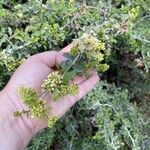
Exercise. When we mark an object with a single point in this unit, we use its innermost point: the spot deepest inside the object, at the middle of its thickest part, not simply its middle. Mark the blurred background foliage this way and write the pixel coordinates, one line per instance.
(115, 115)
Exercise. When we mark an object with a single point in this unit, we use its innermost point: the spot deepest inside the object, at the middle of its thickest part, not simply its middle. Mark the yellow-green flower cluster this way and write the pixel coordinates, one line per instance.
(39, 110)
(92, 50)
(65, 90)
(87, 44)
(51, 121)
(73, 89)
(55, 96)
(74, 51)
(12, 65)
(52, 82)
(103, 67)
(37, 106)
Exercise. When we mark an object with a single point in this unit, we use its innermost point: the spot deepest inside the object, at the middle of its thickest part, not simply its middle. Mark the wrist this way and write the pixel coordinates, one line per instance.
(15, 132)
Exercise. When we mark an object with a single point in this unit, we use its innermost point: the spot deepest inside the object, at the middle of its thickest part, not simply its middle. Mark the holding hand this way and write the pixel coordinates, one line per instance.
(15, 133)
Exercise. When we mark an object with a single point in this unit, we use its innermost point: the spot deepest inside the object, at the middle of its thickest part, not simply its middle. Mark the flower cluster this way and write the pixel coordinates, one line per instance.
(9, 61)
(12, 65)
(65, 90)
(73, 89)
(54, 84)
(51, 121)
(92, 50)
(53, 80)
(37, 106)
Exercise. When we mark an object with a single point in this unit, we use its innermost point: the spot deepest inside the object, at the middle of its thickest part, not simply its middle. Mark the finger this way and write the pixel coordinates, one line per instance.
(67, 102)
(66, 49)
(86, 86)
(60, 56)
(50, 58)
(79, 79)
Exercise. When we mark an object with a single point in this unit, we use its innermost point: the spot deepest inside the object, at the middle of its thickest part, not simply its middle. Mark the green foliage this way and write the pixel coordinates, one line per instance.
(43, 140)
(12, 65)
(119, 123)
(111, 121)
(106, 119)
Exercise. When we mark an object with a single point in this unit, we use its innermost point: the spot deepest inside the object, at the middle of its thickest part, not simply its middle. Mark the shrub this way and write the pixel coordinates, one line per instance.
(111, 121)
(109, 117)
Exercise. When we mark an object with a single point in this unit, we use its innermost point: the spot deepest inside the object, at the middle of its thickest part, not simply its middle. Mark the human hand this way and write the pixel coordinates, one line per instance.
(15, 133)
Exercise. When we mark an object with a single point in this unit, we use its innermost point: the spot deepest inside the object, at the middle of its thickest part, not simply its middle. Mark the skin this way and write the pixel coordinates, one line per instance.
(16, 133)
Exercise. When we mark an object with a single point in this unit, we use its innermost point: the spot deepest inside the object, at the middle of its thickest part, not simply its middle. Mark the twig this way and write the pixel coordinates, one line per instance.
(74, 18)
(9, 41)
(44, 94)
(42, 4)
(139, 21)
(81, 10)
(20, 47)
(147, 69)
(130, 136)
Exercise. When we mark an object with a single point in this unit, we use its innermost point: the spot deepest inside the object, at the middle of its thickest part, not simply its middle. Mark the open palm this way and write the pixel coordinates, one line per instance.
(31, 74)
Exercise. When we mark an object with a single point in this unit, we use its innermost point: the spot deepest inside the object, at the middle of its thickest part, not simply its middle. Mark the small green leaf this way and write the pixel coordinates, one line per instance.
(68, 56)
(65, 64)
(68, 76)
(78, 68)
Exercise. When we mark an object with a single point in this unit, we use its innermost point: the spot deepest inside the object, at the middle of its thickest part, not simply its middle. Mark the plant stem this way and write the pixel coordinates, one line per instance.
(44, 94)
